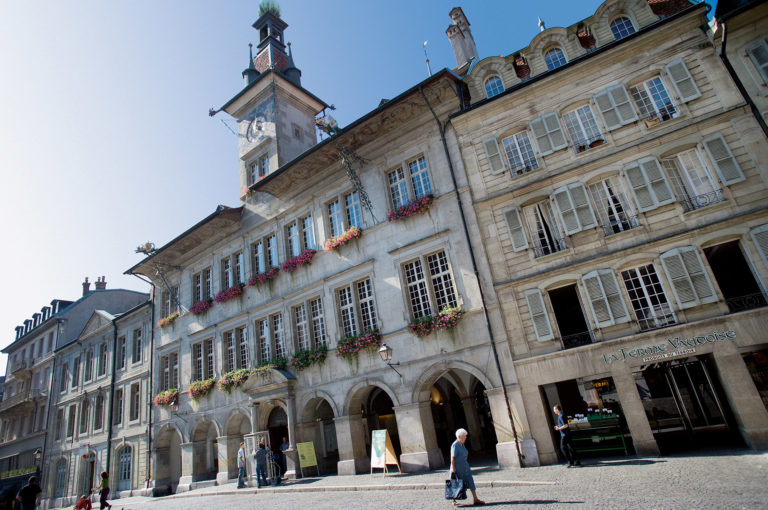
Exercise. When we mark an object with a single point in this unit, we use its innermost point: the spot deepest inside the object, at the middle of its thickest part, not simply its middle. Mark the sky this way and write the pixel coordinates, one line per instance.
(105, 139)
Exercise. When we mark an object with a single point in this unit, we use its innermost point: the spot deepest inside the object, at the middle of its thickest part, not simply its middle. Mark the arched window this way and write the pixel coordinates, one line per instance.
(622, 27)
(554, 58)
(124, 470)
(493, 86)
(61, 478)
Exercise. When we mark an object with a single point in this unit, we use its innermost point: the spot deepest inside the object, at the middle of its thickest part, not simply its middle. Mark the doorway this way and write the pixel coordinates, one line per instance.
(570, 317)
(734, 277)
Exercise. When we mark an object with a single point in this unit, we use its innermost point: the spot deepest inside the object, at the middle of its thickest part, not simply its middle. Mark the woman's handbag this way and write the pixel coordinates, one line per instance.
(454, 488)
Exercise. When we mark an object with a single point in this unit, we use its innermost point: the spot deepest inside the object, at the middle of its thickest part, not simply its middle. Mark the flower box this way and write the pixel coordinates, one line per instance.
(294, 263)
(231, 293)
(234, 379)
(446, 319)
(349, 346)
(342, 239)
(279, 363)
(264, 277)
(199, 389)
(201, 306)
(305, 358)
(166, 398)
(412, 208)
(169, 320)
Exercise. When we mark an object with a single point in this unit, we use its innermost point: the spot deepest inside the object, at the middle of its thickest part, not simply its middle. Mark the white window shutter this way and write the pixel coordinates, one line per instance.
(682, 80)
(690, 282)
(657, 181)
(727, 168)
(541, 325)
(516, 232)
(644, 198)
(494, 155)
(607, 110)
(556, 135)
(613, 295)
(615, 107)
(598, 301)
(623, 102)
(759, 236)
(583, 208)
(541, 136)
(758, 53)
(567, 211)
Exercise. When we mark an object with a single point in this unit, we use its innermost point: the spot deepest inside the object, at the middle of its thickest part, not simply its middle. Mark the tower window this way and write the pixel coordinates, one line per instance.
(493, 86)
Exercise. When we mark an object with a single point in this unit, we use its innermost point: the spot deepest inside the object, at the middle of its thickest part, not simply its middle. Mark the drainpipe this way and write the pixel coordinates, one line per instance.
(735, 77)
(111, 410)
(51, 385)
(151, 376)
(520, 456)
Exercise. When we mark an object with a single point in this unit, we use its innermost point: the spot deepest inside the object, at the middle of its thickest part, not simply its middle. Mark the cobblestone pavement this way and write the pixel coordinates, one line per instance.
(725, 480)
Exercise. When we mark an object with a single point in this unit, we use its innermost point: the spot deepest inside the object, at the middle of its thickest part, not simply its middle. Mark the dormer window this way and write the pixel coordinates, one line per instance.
(554, 58)
(622, 27)
(493, 86)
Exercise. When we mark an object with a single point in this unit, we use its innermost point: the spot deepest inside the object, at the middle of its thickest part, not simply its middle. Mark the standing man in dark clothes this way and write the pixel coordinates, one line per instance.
(566, 443)
(261, 465)
(30, 494)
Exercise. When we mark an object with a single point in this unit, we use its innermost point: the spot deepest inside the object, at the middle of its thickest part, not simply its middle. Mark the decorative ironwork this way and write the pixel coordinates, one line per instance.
(552, 245)
(657, 317)
(576, 340)
(622, 223)
(744, 303)
(700, 201)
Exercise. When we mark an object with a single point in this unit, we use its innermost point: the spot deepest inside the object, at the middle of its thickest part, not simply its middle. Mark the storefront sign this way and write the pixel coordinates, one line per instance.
(671, 348)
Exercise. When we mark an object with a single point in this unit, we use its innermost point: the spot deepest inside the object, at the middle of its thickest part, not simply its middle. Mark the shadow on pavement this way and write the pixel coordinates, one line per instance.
(635, 462)
(526, 502)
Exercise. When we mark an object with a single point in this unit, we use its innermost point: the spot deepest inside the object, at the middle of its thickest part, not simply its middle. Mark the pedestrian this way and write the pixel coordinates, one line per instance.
(261, 465)
(241, 467)
(103, 489)
(566, 442)
(84, 503)
(460, 465)
(283, 458)
(29, 495)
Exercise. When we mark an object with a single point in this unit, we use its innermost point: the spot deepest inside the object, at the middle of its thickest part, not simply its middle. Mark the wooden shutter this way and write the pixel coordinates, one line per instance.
(541, 136)
(689, 279)
(615, 107)
(556, 135)
(494, 155)
(516, 232)
(727, 168)
(605, 299)
(758, 53)
(682, 80)
(541, 325)
(574, 208)
(643, 197)
(583, 207)
(657, 181)
(760, 238)
(566, 210)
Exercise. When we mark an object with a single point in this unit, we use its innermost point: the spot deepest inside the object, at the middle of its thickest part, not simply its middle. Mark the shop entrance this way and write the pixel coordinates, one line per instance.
(685, 405)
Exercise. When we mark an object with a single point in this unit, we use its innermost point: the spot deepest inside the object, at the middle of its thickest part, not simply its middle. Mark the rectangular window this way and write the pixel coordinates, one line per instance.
(197, 362)
(209, 360)
(398, 187)
(335, 223)
(690, 281)
(88, 365)
(71, 421)
(121, 352)
(357, 309)
(293, 242)
(544, 229)
(352, 207)
(102, 370)
(548, 133)
(758, 53)
(119, 406)
(64, 376)
(653, 101)
(692, 180)
(419, 177)
(318, 322)
(137, 345)
(417, 185)
(426, 298)
(135, 402)
(174, 382)
(301, 327)
(258, 261)
(76, 372)
(309, 324)
(98, 413)
(227, 278)
(84, 411)
(648, 298)
(165, 363)
(236, 344)
(605, 299)
(347, 311)
(308, 232)
(59, 424)
(582, 129)
(265, 353)
(170, 302)
(278, 334)
(229, 343)
(259, 168)
(615, 107)
(649, 184)
(241, 335)
(201, 285)
(612, 208)
(520, 154)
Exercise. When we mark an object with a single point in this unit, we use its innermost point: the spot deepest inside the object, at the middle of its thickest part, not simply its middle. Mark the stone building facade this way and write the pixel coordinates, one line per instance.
(619, 180)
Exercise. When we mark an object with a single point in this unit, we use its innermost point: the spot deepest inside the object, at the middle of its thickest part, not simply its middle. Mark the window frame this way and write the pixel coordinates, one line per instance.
(232, 270)
(553, 63)
(342, 201)
(656, 114)
(524, 154)
(576, 122)
(122, 352)
(101, 369)
(356, 305)
(762, 71)
(620, 36)
(316, 330)
(688, 257)
(430, 284)
(134, 406)
(136, 350)
(496, 88)
(646, 296)
(409, 179)
(202, 285)
(269, 252)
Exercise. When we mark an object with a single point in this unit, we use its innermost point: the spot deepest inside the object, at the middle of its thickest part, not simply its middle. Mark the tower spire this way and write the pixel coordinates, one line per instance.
(250, 73)
(292, 72)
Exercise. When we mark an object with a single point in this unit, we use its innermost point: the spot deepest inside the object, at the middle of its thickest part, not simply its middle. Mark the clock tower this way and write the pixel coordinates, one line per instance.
(275, 114)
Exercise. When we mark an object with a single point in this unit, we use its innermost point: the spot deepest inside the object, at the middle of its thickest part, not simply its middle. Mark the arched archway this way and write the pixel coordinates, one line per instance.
(317, 425)
(205, 451)
(237, 427)
(167, 461)
(124, 468)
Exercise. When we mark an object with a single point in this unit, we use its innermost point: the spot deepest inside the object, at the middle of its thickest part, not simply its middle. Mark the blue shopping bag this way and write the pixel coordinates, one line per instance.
(454, 488)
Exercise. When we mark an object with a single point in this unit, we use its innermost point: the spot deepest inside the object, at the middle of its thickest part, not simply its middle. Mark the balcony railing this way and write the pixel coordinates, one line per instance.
(576, 340)
(548, 246)
(701, 201)
(14, 400)
(657, 317)
(19, 365)
(622, 223)
(744, 303)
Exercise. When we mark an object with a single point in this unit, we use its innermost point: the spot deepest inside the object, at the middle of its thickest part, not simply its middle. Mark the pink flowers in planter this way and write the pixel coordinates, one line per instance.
(166, 398)
(201, 306)
(307, 357)
(234, 379)
(294, 263)
(412, 208)
(446, 319)
(343, 238)
(168, 321)
(349, 346)
(230, 293)
(264, 277)
(199, 389)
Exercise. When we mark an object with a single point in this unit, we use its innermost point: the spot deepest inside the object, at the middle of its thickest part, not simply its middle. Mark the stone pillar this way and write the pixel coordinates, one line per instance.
(222, 476)
(746, 404)
(350, 436)
(506, 448)
(187, 467)
(255, 419)
(418, 442)
(292, 469)
(472, 426)
(634, 412)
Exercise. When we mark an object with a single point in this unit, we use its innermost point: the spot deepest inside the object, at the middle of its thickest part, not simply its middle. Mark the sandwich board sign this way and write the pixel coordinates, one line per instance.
(382, 451)
(307, 456)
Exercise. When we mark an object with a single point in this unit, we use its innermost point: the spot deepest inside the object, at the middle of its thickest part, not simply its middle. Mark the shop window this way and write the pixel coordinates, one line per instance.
(690, 281)
(758, 54)
(622, 27)
(493, 86)
(734, 277)
(546, 235)
(648, 183)
(757, 364)
(648, 299)
(554, 58)
(613, 210)
(615, 107)
(520, 155)
(605, 299)
(582, 129)
(574, 208)
(569, 316)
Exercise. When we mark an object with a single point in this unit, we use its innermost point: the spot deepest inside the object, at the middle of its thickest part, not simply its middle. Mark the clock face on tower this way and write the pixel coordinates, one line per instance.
(255, 129)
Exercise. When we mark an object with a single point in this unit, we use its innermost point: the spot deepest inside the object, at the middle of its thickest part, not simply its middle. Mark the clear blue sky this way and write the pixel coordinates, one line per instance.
(105, 141)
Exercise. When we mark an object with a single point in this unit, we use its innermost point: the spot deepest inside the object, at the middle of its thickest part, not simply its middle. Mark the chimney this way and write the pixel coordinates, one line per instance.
(462, 42)
(86, 286)
(101, 283)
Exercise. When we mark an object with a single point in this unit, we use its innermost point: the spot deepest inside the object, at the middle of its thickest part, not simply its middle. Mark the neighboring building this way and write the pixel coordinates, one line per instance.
(619, 180)
(296, 196)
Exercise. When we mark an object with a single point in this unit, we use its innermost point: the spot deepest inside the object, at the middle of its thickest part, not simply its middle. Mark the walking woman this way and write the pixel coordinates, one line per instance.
(103, 489)
(460, 466)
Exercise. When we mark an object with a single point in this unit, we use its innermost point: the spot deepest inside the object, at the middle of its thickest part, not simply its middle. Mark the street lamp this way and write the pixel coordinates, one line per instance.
(385, 352)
